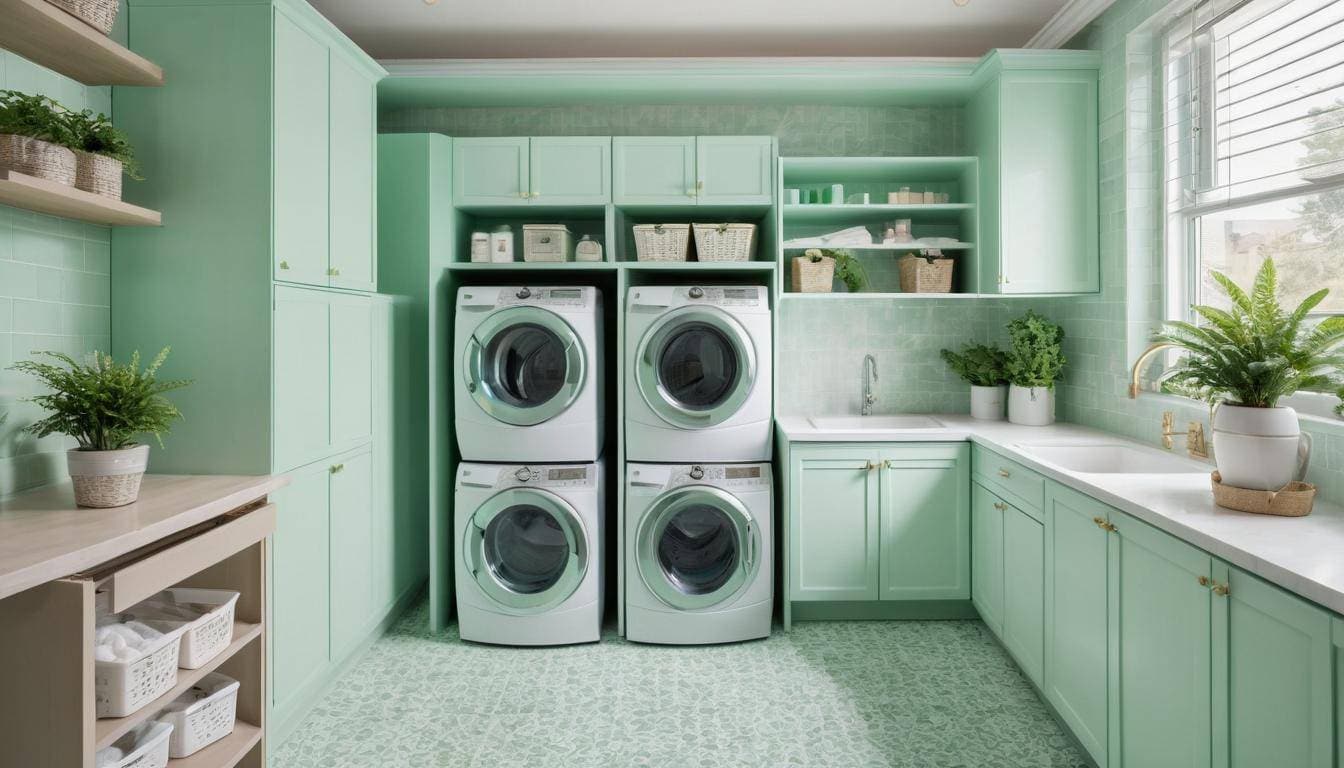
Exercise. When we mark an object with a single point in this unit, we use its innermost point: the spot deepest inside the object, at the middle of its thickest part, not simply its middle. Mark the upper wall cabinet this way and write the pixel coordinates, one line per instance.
(1034, 125)
(564, 170)
(690, 170)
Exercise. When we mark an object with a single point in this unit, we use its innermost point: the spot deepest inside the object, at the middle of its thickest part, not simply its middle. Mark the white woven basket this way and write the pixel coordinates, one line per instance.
(662, 242)
(122, 687)
(724, 242)
(209, 715)
(146, 746)
(202, 639)
(37, 158)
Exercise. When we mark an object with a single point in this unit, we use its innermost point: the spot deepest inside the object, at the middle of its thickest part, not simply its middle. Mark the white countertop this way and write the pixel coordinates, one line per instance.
(1304, 555)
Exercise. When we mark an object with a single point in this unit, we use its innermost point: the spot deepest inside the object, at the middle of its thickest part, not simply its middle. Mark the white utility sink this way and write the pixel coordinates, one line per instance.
(874, 423)
(1112, 459)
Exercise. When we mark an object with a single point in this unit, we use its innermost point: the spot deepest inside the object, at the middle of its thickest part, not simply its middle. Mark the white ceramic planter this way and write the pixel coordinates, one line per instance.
(1259, 448)
(1031, 406)
(987, 402)
(107, 478)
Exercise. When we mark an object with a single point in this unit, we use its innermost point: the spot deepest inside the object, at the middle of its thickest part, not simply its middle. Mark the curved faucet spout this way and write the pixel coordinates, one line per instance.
(869, 376)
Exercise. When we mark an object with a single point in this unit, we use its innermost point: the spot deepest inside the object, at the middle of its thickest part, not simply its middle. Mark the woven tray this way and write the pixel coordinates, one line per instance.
(1292, 500)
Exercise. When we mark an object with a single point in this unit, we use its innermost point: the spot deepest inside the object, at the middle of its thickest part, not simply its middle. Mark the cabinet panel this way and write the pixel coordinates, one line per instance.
(298, 630)
(353, 132)
(571, 170)
(301, 378)
(653, 169)
(490, 171)
(1160, 611)
(833, 502)
(987, 556)
(385, 522)
(925, 544)
(1076, 615)
(352, 555)
(301, 155)
(1024, 591)
(736, 170)
(351, 370)
(1337, 633)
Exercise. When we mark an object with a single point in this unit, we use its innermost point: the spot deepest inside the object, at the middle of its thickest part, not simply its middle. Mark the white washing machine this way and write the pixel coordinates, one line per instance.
(698, 373)
(698, 562)
(528, 553)
(530, 381)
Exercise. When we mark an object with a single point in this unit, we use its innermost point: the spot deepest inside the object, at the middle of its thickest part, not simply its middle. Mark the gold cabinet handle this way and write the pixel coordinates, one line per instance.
(1104, 525)
(870, 466)
(524, 195)
(1222, 590)
(1005, 474)
(887, 464)
(699, 185)
(333, 272)
(535, 193)
(999, 505)
(1109, 527)
(690, 192)
(1204, 581)
(284, 265)
(337, 468)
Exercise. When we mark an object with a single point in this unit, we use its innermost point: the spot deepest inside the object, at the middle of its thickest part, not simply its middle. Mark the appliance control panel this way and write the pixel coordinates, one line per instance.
(723, 296)
(518, 476)
(720, 475)
(577, 296)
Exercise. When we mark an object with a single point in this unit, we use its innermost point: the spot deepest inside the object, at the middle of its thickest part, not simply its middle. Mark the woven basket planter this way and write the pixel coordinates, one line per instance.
(105, 479)
(37, 158)
(921, 275)
(813, 276)
(99, 14)
(99, 174)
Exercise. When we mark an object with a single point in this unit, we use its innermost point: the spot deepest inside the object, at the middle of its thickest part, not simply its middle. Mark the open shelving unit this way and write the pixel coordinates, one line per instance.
(47, 35)
(43, 196)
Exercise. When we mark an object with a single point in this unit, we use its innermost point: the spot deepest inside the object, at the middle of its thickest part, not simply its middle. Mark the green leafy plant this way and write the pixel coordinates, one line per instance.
(1256, 353)
(103, 405)
(848, 268)
(95, 133)
(980, 365)
(1036, 355)
(35, 116)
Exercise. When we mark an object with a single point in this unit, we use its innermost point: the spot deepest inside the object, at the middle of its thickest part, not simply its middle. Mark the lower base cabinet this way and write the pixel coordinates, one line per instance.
(1024, 591)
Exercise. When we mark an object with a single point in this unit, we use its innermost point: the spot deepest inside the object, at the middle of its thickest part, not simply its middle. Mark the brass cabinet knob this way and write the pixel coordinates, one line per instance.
(524, 194)
(1104, 525)
(1004, 473)
(1204, 581)
(1222, 590)
(284, 265)
(333, 272)
(699, 185)
(870, 466)
(690, 192)
(999, 505)
(336, 468)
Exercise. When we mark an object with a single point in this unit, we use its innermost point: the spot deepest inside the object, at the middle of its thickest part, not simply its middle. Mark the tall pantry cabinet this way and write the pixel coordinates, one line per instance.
(260, 152)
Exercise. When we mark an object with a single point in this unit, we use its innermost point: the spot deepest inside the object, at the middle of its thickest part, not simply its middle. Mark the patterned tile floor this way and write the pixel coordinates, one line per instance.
(928, 694)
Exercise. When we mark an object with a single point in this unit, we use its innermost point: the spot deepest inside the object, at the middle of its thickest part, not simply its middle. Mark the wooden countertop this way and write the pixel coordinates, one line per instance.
(44, 536)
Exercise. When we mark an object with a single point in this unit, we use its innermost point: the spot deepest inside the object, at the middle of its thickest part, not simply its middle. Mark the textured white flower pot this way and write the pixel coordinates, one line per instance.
(1031, 406)
(107, 478)
(987, 402)
(1259, 448)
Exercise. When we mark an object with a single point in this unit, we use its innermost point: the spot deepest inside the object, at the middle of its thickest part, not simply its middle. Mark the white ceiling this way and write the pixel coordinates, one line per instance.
(469, 29)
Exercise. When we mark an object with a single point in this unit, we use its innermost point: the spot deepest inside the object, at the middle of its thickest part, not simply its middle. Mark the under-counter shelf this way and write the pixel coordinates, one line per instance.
(228, 751)
(47, 35)
(43, 196)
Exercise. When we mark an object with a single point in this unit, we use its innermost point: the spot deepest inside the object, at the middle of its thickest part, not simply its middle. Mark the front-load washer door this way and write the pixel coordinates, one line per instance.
(524, 365)
(526, 548)
(697, 547)
(695, 367)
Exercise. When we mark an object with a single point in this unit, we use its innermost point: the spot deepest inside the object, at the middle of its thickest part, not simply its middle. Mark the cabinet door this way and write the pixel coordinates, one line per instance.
(1024, 591)
(351, 370)
(1159, 688)
(833, 511)
(301, 155)
(301, 415)
(651, 170)
(926, 522)
(490, 171)
(1075, 614)
(734, 170)
(987, 556)
(1337, 634)
(385, 538)
(352, 556)
(1048, 185)
(1272, 664)
(300, 581)
(571, 170)
(353, 133)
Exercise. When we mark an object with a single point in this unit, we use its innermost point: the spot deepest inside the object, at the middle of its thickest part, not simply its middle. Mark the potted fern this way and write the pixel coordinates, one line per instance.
(35, 137)
(817, 269)
(104, 406)
(103, 153)
(1243, 361)
(982, 366)
(1034, 362)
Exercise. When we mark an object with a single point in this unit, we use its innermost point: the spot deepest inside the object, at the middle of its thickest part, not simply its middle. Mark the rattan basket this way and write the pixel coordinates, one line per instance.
(99, 14)
(813, 276)
(99, 174)
(724, 242)
(1292, 500)
(37, 158)
(923, 275)
(662, 242)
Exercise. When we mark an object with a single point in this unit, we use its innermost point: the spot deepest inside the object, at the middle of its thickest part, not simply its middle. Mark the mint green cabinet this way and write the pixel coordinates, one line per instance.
(987, 511)
(491, 171)
(301, 154)
(734, 170)
(353, 537)
(833, 530)
(351, 370)
(689, 170)
(570, 170)
(302, 376)
(1024, 591)
(1337, 635)
(1076, 632)
(300, 582)
(926, 525)
(353, 257)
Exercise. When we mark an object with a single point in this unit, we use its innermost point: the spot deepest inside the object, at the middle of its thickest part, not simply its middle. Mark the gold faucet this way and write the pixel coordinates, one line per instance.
(1194, 436)
(1137, 370)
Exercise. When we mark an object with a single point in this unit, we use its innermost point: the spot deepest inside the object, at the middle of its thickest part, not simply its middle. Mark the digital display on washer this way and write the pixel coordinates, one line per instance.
(739, 293)
(742, 473)
(566, 293)
(567, 473)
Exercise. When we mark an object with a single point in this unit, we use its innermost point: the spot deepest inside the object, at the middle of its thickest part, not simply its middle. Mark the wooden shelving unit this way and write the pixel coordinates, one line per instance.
(47, 35)
(228, 751)
(43, 196)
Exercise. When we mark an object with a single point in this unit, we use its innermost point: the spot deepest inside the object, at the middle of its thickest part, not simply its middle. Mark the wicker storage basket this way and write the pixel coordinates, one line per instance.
(662, 242)
(99, 174)
(921, 275)
(547, 242)
(724, 242)
(99, 14)
(37, 158)
(1293, 500)
(813, 276)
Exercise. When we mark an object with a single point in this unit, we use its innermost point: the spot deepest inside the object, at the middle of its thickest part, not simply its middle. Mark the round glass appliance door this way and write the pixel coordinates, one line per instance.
(526, 549)
(524, 365)
(695, 367)
(697, 547)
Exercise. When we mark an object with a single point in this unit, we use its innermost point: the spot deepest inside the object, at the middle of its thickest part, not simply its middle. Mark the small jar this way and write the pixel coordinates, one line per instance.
(587, 249)
(480, 247)
(501, 244)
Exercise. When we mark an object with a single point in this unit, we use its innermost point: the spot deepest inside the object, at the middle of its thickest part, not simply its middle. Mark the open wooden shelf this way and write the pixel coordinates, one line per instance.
(700, 266)
(47, 35)
(958, 246)
(110, 729)
(530, 266)
(793, 295)
(824, 213)
(224, 753)
(43, 196)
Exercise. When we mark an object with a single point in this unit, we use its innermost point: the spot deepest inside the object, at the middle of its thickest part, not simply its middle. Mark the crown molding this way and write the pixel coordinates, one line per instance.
(1068, 22)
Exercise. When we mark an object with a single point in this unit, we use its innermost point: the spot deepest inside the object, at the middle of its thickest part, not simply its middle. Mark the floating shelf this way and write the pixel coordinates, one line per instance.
(642, 266)
(790, 295)
(884, 247)
(47, 35)
(700, 266)
(824, 213)
(34, 194)
(228, 751)
(529, 266)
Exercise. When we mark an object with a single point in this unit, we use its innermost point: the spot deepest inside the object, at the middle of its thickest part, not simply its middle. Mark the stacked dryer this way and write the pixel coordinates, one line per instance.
(699, 509)
(529, 508)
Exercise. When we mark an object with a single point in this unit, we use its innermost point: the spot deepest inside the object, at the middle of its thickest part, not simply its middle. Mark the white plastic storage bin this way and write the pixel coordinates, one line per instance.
(202, 715)
(547, 242)
(662, 242)
(122, 687)
(145, 746)
(204, 637)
